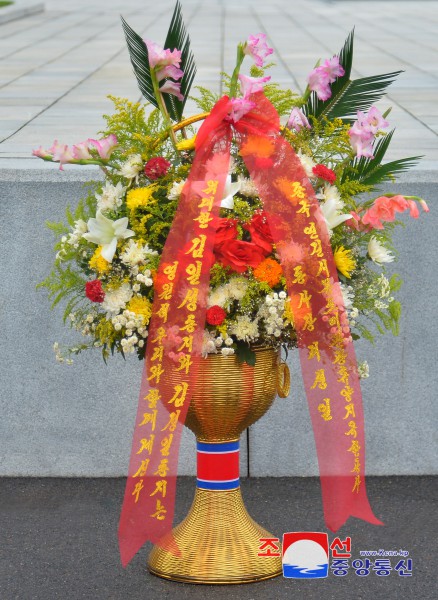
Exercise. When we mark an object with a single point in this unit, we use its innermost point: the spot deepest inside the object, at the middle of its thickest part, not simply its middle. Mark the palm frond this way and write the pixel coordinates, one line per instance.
(138, 53)
(370, 171)
(178, 38)
(349, 96)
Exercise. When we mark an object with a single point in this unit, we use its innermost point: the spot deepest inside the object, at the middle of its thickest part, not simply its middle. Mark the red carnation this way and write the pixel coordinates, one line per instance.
(215, 315)
(156, 167)
(94, 291)
(325, 173)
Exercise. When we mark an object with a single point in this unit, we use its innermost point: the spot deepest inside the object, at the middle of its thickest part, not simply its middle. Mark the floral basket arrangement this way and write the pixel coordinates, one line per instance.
(117, 255)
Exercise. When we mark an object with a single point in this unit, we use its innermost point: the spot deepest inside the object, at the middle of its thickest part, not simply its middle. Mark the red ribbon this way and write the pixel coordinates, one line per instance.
(176, 329)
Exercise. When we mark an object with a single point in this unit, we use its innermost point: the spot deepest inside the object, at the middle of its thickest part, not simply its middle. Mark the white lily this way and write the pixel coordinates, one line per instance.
(331, 214)
(105, 232)
(229, 190)
(378, 253)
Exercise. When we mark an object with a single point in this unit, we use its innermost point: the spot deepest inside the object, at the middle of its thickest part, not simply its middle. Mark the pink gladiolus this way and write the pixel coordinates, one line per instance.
(321, 77)
(40, 152)
(105, 146)
(81, 151)
(171, 87)
(240, 107)
(424, 205)
(385, 209)
(363, 131)
(252, 85)
(61, 153)
(374, 120)
(169, 71)
(297, 120)
(257, 48)
(159, 57)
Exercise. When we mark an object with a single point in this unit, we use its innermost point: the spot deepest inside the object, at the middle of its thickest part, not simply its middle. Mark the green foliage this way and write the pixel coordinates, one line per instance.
(244, 354)
(135, 134)
(177, 38)
(207, 99)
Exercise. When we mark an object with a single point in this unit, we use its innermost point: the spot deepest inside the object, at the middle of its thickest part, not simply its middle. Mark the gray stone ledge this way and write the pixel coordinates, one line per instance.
(20, 9)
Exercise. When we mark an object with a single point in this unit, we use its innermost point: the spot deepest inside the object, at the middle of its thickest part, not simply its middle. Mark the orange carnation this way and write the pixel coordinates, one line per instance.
(270, 271)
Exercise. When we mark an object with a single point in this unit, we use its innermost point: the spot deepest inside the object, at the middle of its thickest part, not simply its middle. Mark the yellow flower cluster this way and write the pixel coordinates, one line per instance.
(139, 197)
(142, 307)
(98, 263)
(345, 263)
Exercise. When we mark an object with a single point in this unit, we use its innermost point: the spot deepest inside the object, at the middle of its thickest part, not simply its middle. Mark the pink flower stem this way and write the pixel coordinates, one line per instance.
(163, 109)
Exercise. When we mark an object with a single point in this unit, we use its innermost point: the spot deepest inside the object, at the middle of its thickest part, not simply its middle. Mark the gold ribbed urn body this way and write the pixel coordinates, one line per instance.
(219, 541)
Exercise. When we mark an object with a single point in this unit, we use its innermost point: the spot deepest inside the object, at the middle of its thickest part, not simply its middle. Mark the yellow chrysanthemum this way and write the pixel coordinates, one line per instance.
(345, 263)
(187, 145)
(98, 263)
(140, 306)
(139, 197)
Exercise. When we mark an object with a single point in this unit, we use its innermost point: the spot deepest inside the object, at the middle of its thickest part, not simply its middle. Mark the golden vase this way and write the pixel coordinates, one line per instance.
(219, 542)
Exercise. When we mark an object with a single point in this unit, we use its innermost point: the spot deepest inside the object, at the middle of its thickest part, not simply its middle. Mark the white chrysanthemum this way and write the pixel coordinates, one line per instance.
(134, 254)
(176, 189)
(227, 351)
(330, 193)
(237, 287)
(378, 253)
(363, 369)
(247, 187)
(218, 297)
(244, 329)
(347, 295)
(132, 167)
(111, 196)
(117, 299)
(307, 162)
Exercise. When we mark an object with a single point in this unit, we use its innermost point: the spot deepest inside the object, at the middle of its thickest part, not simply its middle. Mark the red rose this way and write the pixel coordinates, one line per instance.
(94, 291)
(226, 229)
(239, 255)
(156, 167)
(260, 231)
(215, 315)
(325, 173)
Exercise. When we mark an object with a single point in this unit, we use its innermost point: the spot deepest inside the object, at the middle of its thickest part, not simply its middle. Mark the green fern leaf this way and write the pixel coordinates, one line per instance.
(178, 38)
(138, 53)
(349, 96)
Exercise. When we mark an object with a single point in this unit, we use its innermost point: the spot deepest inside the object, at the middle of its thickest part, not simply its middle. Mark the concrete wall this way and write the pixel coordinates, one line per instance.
(77, 420)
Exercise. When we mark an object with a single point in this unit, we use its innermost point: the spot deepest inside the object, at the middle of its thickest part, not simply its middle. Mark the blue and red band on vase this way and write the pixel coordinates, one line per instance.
(218, 465)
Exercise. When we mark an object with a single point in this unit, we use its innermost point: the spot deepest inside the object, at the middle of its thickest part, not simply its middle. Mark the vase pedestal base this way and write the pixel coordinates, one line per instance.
(219, 544)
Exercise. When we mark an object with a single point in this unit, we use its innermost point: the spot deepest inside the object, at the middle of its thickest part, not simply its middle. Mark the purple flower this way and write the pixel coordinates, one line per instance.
(298, 120)
(321, 77)
(257, 47)
(251, 85)
(363, 131)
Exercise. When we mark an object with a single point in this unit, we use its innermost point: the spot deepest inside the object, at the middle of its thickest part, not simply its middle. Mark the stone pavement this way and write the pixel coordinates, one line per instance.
(57, 67)
(59, 541)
